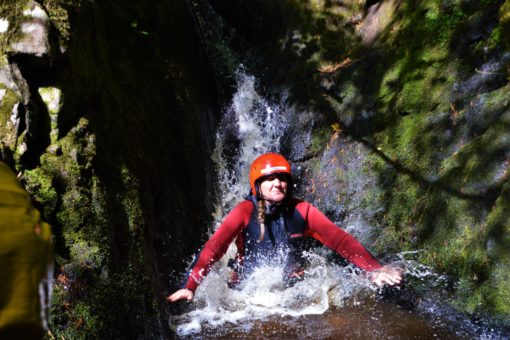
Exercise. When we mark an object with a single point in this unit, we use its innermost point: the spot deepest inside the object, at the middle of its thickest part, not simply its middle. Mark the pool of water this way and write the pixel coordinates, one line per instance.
(381, 320)
(333, 302)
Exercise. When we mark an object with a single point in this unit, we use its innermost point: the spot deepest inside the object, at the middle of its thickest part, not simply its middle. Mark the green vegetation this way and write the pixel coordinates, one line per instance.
(125, 100)
(89, 283)
(7, 104)
(436, 146)
(12, 11)
(446, 177)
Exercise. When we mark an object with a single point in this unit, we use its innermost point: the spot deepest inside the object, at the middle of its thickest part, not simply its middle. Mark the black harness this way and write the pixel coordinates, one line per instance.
(283, 241)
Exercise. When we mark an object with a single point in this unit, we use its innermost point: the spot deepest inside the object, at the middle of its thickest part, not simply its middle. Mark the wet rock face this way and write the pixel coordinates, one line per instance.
(110, 127)
(34, 39)
(30, 53)
(420, 91)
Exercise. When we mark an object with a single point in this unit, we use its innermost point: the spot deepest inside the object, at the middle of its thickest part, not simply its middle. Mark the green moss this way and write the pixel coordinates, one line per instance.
(504, 22)
(59, 17)
(496, 38)
(387, 94)
(52, 98)
(419, 61)
(435, 80)
(40, 184)
(13, 13)
(498, 291)
(131, 201)
(401, 215)
(440, 210)
(478, 163)
(320, 137)
(7, 130)
(490, 298)
(80, 320)
(498, 221)
(89, 283)
(3, 61)
(87, 254)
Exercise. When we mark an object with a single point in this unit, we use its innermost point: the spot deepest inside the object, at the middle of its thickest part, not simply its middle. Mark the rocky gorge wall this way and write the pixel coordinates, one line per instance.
(108, 111)
(109, 108)
(407, 107)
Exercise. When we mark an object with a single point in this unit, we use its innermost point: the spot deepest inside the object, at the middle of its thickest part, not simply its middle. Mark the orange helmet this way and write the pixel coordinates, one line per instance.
(265, 165)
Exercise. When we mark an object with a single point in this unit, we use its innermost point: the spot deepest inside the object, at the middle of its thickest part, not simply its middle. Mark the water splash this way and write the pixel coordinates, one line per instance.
(45, 295)
(255, 124)
(263, 295)
(329, 299)
(415, 269)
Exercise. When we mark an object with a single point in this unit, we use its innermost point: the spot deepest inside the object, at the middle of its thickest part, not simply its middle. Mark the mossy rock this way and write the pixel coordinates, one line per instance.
(9, 100)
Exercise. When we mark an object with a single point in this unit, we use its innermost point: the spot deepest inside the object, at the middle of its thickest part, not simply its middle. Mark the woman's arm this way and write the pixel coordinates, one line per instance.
(215, 248)
(337, 239)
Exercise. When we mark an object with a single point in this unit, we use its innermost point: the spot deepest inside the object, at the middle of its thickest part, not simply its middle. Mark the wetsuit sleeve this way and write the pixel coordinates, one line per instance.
(218, 244)
(337, 239)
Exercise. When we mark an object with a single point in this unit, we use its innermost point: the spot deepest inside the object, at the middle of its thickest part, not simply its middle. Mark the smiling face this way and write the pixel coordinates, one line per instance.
(274, 188)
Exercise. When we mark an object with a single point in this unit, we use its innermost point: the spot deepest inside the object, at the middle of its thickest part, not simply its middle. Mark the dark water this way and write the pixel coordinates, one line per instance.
(377, 321)
(332, 303)
(369, 320)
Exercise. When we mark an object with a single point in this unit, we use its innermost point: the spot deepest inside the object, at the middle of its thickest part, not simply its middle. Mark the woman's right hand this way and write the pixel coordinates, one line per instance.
(180, 294)
(390, 275)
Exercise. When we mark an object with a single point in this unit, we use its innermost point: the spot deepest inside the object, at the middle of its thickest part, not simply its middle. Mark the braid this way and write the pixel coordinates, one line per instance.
(261, 217)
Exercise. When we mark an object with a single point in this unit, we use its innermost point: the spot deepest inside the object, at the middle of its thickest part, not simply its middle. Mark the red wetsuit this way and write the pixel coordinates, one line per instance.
(241, 221)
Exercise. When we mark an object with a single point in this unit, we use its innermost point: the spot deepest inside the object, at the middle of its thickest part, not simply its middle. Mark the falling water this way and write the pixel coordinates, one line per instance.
(45, 293)
(258, 125)
(332, 301)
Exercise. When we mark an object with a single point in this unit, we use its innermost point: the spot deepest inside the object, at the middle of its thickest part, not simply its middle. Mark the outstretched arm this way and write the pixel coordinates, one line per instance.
(214, 249)
(335, 238)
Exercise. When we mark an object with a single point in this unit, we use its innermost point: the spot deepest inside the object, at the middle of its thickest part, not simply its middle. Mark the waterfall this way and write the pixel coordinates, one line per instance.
(256, 125)
(45, 295)
(332, 300)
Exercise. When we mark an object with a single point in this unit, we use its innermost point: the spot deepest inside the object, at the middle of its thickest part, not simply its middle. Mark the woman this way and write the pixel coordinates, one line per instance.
(269, 223)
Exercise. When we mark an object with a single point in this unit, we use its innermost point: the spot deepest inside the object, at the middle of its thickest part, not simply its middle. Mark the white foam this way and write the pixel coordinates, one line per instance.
(258, 124)
(263, 294)
(4, 25)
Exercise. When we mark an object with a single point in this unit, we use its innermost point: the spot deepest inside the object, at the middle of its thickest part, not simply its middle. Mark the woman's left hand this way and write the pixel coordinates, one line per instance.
(388, 274)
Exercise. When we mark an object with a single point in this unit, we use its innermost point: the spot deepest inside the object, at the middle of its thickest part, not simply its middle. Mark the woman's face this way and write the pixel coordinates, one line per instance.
(274, 188)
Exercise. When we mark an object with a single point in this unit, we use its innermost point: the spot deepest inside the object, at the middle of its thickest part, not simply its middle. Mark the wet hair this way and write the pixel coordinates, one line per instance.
(261, 217)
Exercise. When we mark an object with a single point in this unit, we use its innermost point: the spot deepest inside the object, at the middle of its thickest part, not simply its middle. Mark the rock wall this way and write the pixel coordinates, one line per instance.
(108, 112)
(407, 104)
